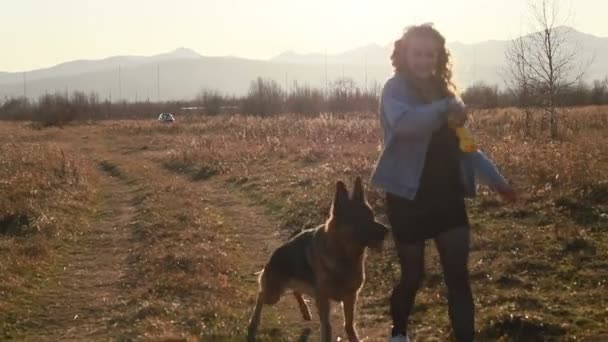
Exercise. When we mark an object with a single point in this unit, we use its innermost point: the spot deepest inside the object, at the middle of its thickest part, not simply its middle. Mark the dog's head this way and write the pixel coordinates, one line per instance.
(353, 219)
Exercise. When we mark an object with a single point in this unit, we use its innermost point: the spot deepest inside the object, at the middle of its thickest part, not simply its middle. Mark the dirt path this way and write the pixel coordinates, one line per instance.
(80, 299)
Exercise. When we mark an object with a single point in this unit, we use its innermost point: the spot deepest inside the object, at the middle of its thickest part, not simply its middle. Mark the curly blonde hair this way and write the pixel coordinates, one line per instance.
(442, 79)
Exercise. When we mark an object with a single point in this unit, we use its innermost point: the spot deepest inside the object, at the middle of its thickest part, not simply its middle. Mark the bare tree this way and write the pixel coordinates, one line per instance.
(519, 79)
(599, 92)
(548, 60)
(211, 100)
(265, 98)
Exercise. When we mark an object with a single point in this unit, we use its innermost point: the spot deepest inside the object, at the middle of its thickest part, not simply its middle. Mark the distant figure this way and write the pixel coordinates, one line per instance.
(427, 175)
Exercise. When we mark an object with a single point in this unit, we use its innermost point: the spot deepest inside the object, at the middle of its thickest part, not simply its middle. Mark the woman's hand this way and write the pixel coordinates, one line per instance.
(457, 112)
(507, 194)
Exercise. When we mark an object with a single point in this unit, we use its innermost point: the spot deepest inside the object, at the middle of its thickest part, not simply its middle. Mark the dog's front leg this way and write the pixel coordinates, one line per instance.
(348, 307)
(254, 322)
(323, 307)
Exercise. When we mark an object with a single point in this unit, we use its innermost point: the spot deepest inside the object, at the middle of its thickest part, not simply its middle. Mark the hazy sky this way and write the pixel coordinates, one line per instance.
(42, 33)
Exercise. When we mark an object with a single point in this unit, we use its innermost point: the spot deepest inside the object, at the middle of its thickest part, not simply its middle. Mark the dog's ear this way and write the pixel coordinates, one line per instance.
(340, 198)
(358, 193)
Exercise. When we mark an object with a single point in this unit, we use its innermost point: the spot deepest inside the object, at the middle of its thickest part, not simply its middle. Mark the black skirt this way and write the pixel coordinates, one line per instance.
(412, 222)
(439, 203)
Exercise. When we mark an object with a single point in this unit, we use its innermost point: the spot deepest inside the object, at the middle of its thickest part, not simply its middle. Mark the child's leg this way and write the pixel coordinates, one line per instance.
(453, 247)
(411, 260)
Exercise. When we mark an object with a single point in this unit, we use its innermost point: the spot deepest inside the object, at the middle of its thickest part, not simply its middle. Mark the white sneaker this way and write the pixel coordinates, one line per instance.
(399, 338)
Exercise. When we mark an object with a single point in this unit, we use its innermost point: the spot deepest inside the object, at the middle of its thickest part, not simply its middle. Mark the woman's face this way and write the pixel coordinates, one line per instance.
(421, 56)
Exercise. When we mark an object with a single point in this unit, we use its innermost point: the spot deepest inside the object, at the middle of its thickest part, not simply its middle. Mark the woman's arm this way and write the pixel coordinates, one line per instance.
(410, 120)
(487, 173)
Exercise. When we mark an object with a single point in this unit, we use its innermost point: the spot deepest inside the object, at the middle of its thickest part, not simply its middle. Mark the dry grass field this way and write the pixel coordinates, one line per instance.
(138, 230)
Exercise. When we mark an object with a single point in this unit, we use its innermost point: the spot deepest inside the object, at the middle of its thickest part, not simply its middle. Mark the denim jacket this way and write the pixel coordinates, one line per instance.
(408, 125)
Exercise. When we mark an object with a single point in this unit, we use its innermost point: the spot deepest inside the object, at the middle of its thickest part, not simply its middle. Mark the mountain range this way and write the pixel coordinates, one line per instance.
(182, 73)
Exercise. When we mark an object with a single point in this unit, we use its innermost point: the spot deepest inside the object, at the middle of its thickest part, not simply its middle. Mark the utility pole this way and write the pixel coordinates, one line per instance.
(365, 73)
(24, 85)
(109, 113)
(158, 82)
(119, 84)
(474, 67)
(326, 87)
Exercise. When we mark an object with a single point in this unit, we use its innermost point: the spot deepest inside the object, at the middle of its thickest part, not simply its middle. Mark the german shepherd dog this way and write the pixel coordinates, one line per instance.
(326, 263)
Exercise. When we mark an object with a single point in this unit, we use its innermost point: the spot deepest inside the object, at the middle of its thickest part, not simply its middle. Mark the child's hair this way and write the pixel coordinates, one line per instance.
(443, 75)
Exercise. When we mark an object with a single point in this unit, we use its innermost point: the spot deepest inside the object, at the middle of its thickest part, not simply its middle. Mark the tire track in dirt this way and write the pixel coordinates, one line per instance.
(81, 297)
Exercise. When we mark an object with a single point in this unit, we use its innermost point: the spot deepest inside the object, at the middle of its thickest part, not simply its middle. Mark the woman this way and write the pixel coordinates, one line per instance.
(426, 176)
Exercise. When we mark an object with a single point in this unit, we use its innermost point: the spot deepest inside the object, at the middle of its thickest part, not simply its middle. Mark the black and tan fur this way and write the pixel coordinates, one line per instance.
(326, 263)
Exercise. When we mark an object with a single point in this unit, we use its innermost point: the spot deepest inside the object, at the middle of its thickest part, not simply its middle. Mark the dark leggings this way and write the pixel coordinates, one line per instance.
(453, 247)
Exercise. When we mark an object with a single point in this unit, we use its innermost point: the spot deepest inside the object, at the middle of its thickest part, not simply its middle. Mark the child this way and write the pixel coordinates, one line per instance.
(426, 176)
